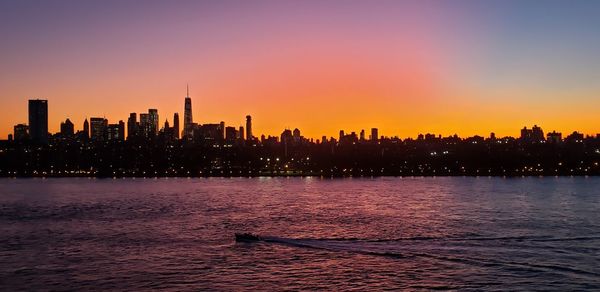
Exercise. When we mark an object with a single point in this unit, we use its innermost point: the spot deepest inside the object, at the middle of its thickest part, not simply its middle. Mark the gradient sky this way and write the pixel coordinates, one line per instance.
(406, 67)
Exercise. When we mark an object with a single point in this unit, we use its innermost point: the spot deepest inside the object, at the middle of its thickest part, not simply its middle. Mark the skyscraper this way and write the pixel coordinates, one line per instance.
(222, 131)
(153, 117)
(188, 121)
(38, 120)
(144, 124)
(176, 125)
(241, 133)
(249, 136)
(86, 129)
(132, 126)
(67, 129)
(230, 134)
(98, 129)
(374, 134)
(115, 131)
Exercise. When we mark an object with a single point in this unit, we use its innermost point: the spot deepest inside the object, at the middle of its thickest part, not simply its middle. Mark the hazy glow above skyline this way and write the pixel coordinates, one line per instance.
(406, 67)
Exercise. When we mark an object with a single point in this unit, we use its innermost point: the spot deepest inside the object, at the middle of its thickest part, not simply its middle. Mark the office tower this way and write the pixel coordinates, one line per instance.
(67, 129)
(241, 133)
(374, 134)
(98, 128)
(362, 135)
(176, 126)
(10, 137)
(188, 121)
(116, 132)
(38, 120)
(342, 134)
(21, 132)
(132, 126)
(222, 129)
(249, 128)
(153, 119)
(86, 129)
(286, 136)
(145, 125)
(121, 130)
(230, 134)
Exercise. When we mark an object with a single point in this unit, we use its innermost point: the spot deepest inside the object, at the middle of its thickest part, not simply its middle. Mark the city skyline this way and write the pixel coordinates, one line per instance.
(154, 122)
(404, 67)
(149, 124)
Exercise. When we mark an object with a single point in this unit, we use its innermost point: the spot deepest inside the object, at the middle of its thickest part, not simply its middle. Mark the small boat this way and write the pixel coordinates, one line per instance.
(246, 237)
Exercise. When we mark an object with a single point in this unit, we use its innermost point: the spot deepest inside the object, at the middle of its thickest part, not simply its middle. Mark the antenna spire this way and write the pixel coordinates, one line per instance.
(188, 89)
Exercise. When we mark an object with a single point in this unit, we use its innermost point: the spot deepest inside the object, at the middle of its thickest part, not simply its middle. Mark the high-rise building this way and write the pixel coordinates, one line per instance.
(230, 134)
(86, 129)
(286, 136)
(188, 121)
(362, 135)
(176, 125)
(121, 130)
(98, 129)
(144, 124)
(222, 131)
(153, 119)
(374, 134)
(132, 126)
(115, 132)
(38, 120)
(249, 128)
(67, 129)
(21, 132)
(241, 133)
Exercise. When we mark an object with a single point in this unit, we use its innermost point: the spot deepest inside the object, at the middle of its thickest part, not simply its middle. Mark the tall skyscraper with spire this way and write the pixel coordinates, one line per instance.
(188, 121)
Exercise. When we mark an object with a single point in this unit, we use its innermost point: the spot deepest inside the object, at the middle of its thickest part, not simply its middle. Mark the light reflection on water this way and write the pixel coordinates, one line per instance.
(340, 234)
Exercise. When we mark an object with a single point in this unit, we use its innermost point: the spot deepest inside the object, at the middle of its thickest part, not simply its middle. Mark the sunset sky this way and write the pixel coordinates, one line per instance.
(406, 67)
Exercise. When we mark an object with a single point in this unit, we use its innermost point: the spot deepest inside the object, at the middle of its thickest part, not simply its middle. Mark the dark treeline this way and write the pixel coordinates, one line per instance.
(427, 156)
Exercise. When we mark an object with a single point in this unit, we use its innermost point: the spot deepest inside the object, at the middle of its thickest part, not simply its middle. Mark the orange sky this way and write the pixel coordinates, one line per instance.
(405, 68)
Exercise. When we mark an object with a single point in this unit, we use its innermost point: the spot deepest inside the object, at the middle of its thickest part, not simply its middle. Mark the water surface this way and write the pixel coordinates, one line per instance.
(336, 234)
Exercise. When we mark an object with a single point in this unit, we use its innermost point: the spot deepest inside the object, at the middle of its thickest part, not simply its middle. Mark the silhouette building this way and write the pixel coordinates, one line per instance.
(21, 132)
(249, 136)
(115, 131)
(145, 127)
(132, 126)
(38, 120)
(554, 137)
(374, 134)
(188, 121)
(67, 129)
(153, 122)
(86, 129)
(241, 133)
(98, 129)
(176, 126)
(230, 134)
